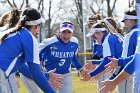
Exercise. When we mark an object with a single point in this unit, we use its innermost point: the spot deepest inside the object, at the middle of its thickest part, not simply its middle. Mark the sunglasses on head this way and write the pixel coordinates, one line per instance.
(67, 25)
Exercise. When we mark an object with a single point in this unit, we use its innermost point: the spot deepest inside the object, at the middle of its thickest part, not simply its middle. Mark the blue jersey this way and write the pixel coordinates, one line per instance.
(131, 63)
(59, 55)
(130, 42)
(21, 47)
(112, 47)
(97, 50)
(17, 49)
(130, 49)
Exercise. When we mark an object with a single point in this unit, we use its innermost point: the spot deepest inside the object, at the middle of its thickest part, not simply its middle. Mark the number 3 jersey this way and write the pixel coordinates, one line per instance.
(59, 55)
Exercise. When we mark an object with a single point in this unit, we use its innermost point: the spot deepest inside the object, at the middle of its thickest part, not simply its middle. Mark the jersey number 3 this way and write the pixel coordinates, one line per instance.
(62, 61)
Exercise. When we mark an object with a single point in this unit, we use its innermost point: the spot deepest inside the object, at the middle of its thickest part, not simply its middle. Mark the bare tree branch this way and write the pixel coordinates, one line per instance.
(113, 6)
(92, 9)
(27, 3)
(10, 3)
(22, 4)
(14, 4)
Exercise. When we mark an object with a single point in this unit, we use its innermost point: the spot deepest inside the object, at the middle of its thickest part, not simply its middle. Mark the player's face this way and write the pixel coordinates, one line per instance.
(90, 25)
(66, 35)
(129, 24)
(98, 36)
(35, 30)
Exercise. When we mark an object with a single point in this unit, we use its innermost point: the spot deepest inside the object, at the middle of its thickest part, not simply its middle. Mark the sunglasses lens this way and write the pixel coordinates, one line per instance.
(67, 25)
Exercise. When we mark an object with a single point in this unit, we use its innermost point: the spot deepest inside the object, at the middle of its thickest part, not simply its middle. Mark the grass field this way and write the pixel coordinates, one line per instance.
(78, 86)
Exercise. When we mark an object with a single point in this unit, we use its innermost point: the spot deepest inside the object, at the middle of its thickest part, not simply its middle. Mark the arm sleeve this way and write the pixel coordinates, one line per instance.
(124, 61)
(24, 69)
(76, 62)
(40, 78)
(133, 65)
(100, 67)
(96, 61)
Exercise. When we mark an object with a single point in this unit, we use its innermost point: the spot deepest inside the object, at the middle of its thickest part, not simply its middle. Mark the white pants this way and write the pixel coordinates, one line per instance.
(7, 85)
(126, 86)
(102, 78)
(67, 88)
(30, 85)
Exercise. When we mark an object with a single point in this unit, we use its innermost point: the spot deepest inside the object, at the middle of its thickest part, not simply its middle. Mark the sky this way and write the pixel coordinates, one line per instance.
(121, 5)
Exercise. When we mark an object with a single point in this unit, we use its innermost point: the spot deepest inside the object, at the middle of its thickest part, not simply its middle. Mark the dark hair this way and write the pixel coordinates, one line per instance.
(114, 24)
(4, 19)
(95, 17)
(131, 11)
(14, 18)
(29, 14)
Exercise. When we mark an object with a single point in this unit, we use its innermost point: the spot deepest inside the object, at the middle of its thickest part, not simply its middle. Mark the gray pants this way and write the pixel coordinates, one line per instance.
(67, 88)
(30, 85)
(102, 78)
(126, 86)
(7, 85)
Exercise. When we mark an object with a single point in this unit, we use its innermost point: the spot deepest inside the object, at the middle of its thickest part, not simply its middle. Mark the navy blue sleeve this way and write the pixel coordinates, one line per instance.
(96, 61)
(124, 61)
(39, 78)
(100, 67)
(76, 62)
(24, 69)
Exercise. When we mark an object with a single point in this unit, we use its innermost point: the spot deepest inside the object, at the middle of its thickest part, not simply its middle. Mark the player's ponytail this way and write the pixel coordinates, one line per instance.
(113, 27)
(29, 17)
(19, 25)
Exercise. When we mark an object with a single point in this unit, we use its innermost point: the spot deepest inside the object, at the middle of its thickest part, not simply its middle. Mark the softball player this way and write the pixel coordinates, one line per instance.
(9, 20)
(6, 22)
(97, 48)
(23, 48)
(59, 52)
(129, 47)
(111, 47)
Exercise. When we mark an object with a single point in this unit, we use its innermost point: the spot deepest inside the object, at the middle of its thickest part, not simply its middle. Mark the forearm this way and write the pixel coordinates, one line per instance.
(121, 77)
(24, 69)
(76, 63)
(100, 67)
(40, 78)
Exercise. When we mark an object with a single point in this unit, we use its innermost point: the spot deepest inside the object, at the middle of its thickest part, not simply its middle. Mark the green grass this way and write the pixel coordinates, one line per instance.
(78, 86)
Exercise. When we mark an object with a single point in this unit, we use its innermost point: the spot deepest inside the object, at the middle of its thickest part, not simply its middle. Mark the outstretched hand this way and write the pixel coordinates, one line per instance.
(56, 80)
(89, 65)
(111, 65)
(85, 74)
(107, 86)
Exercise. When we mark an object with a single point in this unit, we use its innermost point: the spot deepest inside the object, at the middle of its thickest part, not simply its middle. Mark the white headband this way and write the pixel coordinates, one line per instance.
(130, 17)
(35, 22)
(108, 24)
(95, 30)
